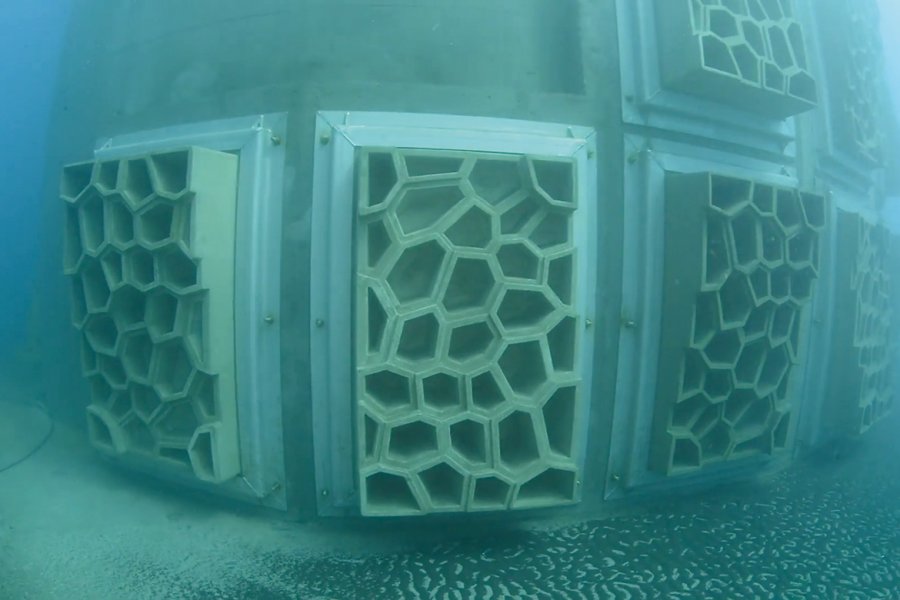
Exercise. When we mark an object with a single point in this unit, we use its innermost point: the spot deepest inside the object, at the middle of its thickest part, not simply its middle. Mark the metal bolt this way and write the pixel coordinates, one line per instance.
(325, 138)
(633, 157)
(628, 323)
(616, 477)
(320, 323)
(275, 139)
(269, 319)
(588, 323)
(590, 153)
(324, 493)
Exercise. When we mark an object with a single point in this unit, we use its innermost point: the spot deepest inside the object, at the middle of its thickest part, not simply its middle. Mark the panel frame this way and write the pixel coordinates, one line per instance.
(258, 142)
(647, 160)
(332, 300)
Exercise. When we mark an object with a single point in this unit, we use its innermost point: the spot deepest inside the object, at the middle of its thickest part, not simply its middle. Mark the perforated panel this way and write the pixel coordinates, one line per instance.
(466, 341)
(741, 262)
(149, 248)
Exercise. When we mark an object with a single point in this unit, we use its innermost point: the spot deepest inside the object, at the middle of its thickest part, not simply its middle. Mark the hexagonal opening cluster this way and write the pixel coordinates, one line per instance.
(727, 397)
(139, 304)
(756, 44)
(871, 287)
(465, 291)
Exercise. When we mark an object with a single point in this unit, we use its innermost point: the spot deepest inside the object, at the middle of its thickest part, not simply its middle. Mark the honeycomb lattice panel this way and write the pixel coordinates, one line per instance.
(854, 62)
(741, 259)
(149, 248)
(861, 391)
(749, 54)
(466, 333)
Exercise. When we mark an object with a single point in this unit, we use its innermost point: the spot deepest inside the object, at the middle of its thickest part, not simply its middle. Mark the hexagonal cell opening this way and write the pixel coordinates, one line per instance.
(161, 313)
(378, 240)
(419, 165)
(79, 304)
(722, 22)
(496, 180)
(717, 55)
(72, 249)
(412, 440)
(685, 454)
(486, 394)
(442, 391)
(201, 453)
(444, 485)
(738, 403)
(735, 301)
(728, 195)
(556, 179)
(470, 341)
(750, 363)
(170, 170)
(389, 389)
(759, 286)
(551, 230)
(748, 63)
(75, 178)
(100, 432)
(517, 441)
(91, 218)
(102, 334)
(137, 186)
(377, 320)
(96, 288)
(518, 261)
(418, 338)
(389, 491)
(755, 419)
(782, 322)
(113, 269)
(772, 243)
(420, 208)
(757, 323)
(716, 264)
(781, 430)
(172, 369)
(802, 249)
(176, 269)
(802, 283)
(470, 285)
(523, 308)
(787, 210)
(145, 402)
(780, 284)
(764, 199)
(746, 240)
(559, 419)
(155, 223)
(139, 269)
(523, 366)
(781, 52)
(136, 354)
(112, 371)
(775, 368)
(203, 394)
(723, 348)
(490, 492)
(686, 411)
(753, 36)
(518, 216)
(469, 439)
(693, 370)
(560, 275)
(177, 421)
(107, 175)
(706, 420)
(119, 221)
(472, 230)
(416, 272)
(717, 385)
(550, 487)
(561, 341)
(128, 307)
(716, 442)
(382, 177)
